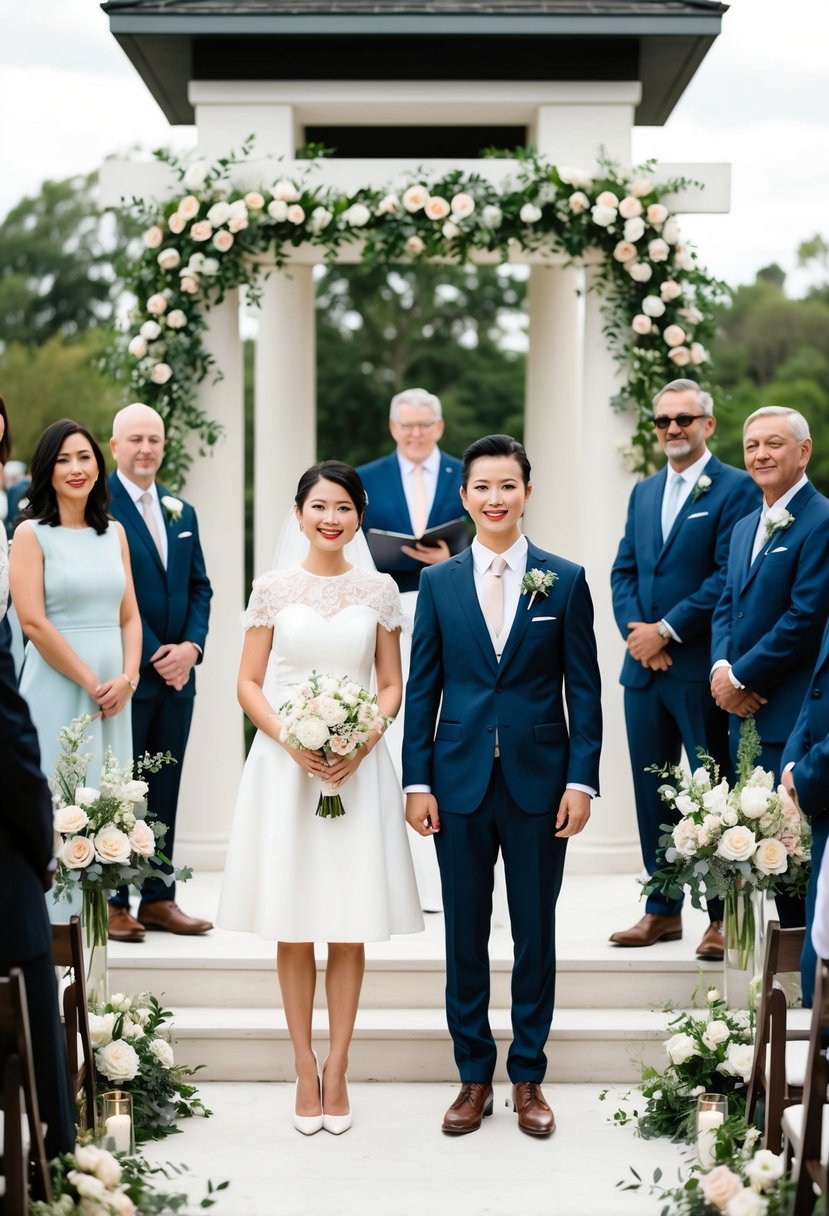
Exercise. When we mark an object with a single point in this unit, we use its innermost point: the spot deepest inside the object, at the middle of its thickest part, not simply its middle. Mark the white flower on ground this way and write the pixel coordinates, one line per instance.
(415, 244)
(715, 1033)
(719, 1185)
(634, 229)
(149, 330)
(157, 304)
(77, 853)
(196, 175)
(153, 237)
(680, 355)
(285, 191)
(624, 251)
(142, 839)
(112, 846)
(189, 207)
(278, 209)
(578, 202)
(681, 1047)
(223, 241)
(754, 801)
(415, 198)
(771, 857)
(641, 324)
(357, 215)
(436, 208)
(674, 335)
(630, 207)
(137, 347)
(312, 732)
(161, 373)
(607, 199)
(737, 844)
(652, 306)
(462, 205)
(101, 1027)
(118, 1061)
(764, 1169)
(202, 230)
(746, 1203)
(658, 250)
(176, 319)
(163, 1052)
(492, 216)
(70, 819)
(603, 216)
(641, 272)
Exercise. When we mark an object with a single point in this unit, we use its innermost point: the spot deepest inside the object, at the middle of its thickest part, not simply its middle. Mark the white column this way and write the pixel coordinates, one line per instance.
(285, 402)
(215, 486)
(573, 132)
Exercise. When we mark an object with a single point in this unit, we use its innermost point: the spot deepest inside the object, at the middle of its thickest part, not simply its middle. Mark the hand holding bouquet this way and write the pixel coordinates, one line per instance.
(334, 716)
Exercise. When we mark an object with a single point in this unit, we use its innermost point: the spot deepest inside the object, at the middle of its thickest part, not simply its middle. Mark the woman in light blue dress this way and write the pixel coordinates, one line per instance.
(72, 588)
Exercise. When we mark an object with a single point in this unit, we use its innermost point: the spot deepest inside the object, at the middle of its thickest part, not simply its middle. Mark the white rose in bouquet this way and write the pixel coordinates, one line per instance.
(87, 1186)
(202, 230)
(764, 1169)
(77, 853)
(715, 1033)
(685, 804)
(746, 1203)
(136, 790)
(701, 778)
(656, 214)
(716, 800)
(710, 828)
(754, 801)
(132, 1030)
(738, 1060)
(85, 795)
(771, 857)
(112, 846)
(681, 1047)
(332, 712)
(312, 733)
(640, 187)
(101, 1027)
(719, 1185)
(737, 844)
(142, 839)
(70, 819)
(163, 1052)
(729, 817)
(686, 836)
(118, 1061)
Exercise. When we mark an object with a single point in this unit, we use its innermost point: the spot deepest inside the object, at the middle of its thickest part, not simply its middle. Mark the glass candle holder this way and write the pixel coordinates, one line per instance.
(117, 1124)
(712, 1112)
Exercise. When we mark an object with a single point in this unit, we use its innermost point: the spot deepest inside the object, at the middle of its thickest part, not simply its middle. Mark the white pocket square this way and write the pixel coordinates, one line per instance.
(781, 549)
(183, 535)
(536, 619)
(698, 514)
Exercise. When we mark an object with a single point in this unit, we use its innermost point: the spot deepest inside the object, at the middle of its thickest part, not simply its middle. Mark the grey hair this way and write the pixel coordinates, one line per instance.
(415, 396)
(706, 401)
(798, 424)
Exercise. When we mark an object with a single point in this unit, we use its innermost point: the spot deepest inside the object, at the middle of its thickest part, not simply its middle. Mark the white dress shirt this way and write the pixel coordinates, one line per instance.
(431, 469)
(135, 493)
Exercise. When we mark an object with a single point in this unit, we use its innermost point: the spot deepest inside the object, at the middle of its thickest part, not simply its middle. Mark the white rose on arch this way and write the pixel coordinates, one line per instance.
(624, 251)
(137, 347)
(630, 207)
(680, 355)
(388, 205)
(176, 223)
(641, 272)
(285, 191)
(640, 187)
(177, 319)
(278, 210)
(462, 205)
(357, 215)
(641, 324)
(652, 306)
(161, 373)
(608, 199)
(579, 178)
(492, 216)
(157, 304)
(415, 198)
(658, 250)
(670, 290)
(578, 202)
(196, 175)
(603, 216)
(698, 353)
(674, 335)
(153, 237)
(169, 259)
(320, 218)
(634, 229)
(149, 330)
(530, 214)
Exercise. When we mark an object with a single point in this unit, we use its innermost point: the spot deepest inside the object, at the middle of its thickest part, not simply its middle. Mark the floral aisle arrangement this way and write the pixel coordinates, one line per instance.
(730, 843)
(708, 1051)
(332, 715)
(209, 237)
(131, 1041)
(108, 837)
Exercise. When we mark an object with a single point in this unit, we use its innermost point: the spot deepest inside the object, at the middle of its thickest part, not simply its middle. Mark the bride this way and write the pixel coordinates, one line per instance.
(290, 874)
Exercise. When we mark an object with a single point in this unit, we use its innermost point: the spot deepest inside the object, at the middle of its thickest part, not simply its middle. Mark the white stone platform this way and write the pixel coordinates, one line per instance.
(223, 990)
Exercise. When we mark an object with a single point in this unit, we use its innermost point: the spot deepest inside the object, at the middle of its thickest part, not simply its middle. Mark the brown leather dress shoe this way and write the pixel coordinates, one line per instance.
(167, 915)
(467, 1111)
(534, 1115)
(712, 945)
(123, 927)
(651, 928)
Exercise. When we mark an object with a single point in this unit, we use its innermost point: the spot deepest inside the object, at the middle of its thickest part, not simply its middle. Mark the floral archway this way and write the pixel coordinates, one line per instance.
(209, 237)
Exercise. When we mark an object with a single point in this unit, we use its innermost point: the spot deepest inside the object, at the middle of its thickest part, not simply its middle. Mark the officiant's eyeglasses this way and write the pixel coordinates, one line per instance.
(409, 427)
(662, 421)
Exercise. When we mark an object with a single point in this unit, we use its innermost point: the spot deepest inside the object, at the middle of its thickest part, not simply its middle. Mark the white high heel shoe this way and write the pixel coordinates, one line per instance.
(309, 1124)
(336, 1124)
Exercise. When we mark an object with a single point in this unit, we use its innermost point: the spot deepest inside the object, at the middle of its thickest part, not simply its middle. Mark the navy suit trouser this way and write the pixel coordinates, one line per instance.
(808, 959)
(160, 723)
(662, 719)
(467, 849)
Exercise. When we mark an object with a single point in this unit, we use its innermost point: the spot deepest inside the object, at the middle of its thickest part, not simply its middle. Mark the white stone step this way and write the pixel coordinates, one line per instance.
(404, 1044)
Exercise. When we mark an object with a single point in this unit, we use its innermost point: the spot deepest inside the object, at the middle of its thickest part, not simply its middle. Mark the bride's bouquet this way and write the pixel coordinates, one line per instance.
(334, 716)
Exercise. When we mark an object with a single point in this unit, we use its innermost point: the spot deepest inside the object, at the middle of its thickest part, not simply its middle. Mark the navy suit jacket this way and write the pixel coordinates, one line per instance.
(387, 507)
(681, 578)
(25, 828)
(773, 611)
(808, 744)
(550, 655)
(174, 603)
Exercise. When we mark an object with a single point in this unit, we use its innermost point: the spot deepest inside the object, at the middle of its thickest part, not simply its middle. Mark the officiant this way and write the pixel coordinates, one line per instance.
(414, 488)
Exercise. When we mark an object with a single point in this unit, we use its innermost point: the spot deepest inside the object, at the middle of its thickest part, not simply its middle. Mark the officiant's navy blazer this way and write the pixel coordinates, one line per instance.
(550, 655)
(389, 511)
(770, 619)
(174, 603)
(682, 577)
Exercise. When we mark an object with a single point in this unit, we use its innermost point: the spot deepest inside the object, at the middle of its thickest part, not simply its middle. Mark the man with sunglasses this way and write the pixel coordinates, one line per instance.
(667, 579)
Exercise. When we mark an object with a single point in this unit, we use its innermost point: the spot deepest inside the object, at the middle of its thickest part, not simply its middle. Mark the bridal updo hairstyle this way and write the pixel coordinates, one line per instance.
(342, 475)
(495, 445)
(43, 503)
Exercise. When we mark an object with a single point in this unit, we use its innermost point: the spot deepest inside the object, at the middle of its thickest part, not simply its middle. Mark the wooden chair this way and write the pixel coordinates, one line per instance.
(806, 1126)
(779, 1064)
(20, 1102)
(67, 952)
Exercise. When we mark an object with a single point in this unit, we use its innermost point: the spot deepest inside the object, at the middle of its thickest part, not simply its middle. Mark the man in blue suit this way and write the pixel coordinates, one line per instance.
(174, 601)
(507, 768)
(806, 778)
(417, 486)
(666, 580)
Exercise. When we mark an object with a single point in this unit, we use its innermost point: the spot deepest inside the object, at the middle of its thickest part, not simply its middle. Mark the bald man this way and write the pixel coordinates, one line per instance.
(174, 601)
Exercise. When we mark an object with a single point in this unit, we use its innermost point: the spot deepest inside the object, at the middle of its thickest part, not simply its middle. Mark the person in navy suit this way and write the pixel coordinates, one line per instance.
(667, 578)
(417, 486)
(493, 761)
(26, 870)
(806, 779)
(768, 625)
(174, 594)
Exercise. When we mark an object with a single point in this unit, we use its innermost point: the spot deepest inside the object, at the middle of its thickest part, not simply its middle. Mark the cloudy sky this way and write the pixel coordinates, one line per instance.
(69, 97)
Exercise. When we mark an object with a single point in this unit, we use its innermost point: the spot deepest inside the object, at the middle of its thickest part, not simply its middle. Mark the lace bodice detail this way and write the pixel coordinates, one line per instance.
(279, 589)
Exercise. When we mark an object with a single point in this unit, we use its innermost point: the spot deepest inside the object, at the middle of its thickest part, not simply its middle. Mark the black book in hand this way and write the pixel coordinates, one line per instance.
(387, 547)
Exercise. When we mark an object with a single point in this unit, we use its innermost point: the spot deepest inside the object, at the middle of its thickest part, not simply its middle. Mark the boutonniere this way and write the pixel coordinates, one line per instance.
(702, 487)
(778, 519)
(173, 507)
(537, 582)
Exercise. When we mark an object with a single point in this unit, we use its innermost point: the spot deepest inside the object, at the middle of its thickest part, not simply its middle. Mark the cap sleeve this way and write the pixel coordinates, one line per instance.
(389, 607)
(264, 603)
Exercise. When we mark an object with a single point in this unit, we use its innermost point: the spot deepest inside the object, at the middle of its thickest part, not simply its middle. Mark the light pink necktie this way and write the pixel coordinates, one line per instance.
(492, 596)
(146, 501)
(420, 508)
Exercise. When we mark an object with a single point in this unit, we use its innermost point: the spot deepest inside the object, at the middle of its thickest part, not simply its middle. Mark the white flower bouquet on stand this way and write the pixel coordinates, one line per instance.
(334, 716)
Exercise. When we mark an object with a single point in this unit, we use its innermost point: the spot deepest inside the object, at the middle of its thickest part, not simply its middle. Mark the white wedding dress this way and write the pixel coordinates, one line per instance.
(291, 875)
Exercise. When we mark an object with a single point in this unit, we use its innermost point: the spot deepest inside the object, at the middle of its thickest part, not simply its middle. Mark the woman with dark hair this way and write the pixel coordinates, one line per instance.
(72, 588)
(291, 875)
